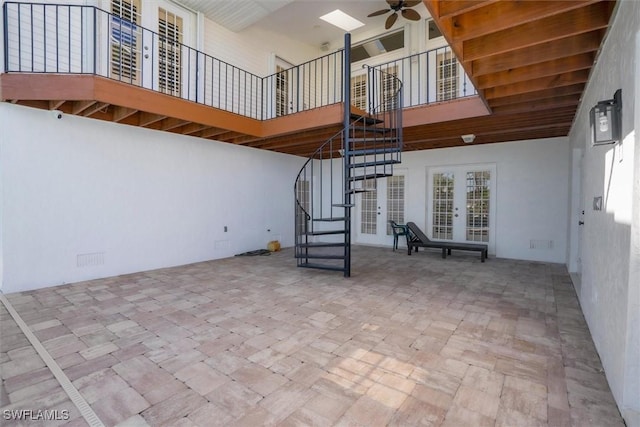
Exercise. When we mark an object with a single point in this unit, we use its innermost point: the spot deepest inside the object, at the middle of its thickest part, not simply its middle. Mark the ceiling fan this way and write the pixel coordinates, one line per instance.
(396, 6)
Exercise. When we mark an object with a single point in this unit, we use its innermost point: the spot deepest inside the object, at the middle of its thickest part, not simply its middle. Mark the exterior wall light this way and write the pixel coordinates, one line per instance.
(606, 120)
(469, 138)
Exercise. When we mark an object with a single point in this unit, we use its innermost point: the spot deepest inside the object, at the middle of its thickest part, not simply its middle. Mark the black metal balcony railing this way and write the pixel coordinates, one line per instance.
(75, 39)
(431, 76)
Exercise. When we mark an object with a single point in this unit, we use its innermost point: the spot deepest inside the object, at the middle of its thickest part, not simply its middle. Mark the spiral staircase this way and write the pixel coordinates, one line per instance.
(348, 163)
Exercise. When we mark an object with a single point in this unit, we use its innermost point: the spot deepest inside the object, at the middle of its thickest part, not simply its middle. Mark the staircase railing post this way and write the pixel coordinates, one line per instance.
(346, 156)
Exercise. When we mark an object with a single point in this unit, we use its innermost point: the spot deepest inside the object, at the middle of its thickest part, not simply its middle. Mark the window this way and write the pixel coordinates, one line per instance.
(369, 210)
(282, 91)
(478, 184)
(359, 91)
(384, 44)
(395, 201)
(303, 195)
(447, 76)
(442, 221)
(169, 52)
(390, 85)
(433, 32)
(125, 35)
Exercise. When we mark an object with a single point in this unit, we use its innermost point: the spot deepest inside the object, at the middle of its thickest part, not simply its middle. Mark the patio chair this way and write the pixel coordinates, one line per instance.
(398, 230)
(417, 239)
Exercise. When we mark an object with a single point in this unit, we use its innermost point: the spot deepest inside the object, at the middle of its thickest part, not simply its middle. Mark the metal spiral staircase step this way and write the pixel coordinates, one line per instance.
(372, 129)
(374, 163)
(330, 219)
(369, 176)
(374, 140)
(319, 256)
(369, 151)
(321, 245)
(365, 119)
(324, 232)
(358, 191)
(321, 266)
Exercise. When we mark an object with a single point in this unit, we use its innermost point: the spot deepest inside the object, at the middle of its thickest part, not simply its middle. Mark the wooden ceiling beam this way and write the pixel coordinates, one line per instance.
(548, 68)
(171, 123)
(192, 128)
(224, 135)
(490, 136)
(456, 7)
(571, 23)
(539, 104)
(566, 79)
(577, 88)
(79, 106)
(121, 113)
(506, 14)
(574, 45)
(316, 137)
(213, 132)
(514, 121)
(95, 108)
(505, 136)
(146, 119)
(56, 104)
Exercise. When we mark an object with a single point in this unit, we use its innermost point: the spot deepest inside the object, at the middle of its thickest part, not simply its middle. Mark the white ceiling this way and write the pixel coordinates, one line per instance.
(297, 19)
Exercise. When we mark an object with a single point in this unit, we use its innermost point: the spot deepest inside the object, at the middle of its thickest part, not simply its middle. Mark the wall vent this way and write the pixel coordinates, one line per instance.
(540, 244)
(88, 260)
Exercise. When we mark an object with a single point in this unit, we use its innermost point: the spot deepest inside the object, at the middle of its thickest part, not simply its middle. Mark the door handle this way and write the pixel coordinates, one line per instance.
(456, 215)
(580, 222)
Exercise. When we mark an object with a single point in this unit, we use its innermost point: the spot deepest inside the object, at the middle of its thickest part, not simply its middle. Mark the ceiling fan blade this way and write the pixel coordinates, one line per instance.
(380, 12)
(393, 3)
(410, 14)
(411, 3)
(390, 21)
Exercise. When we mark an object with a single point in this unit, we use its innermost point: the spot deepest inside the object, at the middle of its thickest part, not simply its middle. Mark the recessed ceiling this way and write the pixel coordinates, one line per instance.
(235, 15)
(297, 19)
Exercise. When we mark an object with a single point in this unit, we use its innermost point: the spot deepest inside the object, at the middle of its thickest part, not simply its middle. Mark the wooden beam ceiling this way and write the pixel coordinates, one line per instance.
(525, 57)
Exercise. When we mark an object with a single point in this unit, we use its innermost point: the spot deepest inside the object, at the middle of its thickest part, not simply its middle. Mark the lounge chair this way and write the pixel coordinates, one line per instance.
(417, 239)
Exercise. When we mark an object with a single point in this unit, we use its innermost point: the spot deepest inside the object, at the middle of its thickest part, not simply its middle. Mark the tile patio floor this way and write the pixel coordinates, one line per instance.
(255, 341)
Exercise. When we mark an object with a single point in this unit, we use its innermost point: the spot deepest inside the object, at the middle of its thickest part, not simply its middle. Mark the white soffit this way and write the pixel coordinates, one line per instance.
(235, 15)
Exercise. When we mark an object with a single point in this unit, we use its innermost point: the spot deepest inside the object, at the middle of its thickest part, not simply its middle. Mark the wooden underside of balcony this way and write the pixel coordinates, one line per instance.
(432, 126)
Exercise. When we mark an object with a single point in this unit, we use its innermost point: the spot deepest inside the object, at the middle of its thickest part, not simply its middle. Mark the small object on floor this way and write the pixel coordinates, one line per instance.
(256, 252)
(273, 246)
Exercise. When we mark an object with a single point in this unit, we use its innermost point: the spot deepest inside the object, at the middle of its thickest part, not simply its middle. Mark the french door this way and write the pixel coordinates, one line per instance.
(384, 201)
(461, 204)
(290, 88)
(148, 42)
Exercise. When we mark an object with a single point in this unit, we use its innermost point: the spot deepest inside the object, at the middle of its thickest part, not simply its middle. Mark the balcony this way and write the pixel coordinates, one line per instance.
(85, 61)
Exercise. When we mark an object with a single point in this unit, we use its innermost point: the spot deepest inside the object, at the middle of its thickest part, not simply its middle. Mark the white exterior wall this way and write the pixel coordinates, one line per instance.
(609, 290)
(253, 49)
(531, 192)
(129, 199)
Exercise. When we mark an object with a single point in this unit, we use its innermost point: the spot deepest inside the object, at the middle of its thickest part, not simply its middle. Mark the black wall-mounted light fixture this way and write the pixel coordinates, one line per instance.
(606, 120)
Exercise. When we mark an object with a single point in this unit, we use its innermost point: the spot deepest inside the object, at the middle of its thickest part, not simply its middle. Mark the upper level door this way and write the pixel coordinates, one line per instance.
(461, 204)
(149, 43)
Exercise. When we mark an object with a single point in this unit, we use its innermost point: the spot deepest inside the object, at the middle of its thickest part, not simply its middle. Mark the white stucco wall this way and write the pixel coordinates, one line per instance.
(531, 192)
(129, 199)
(610, 247)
